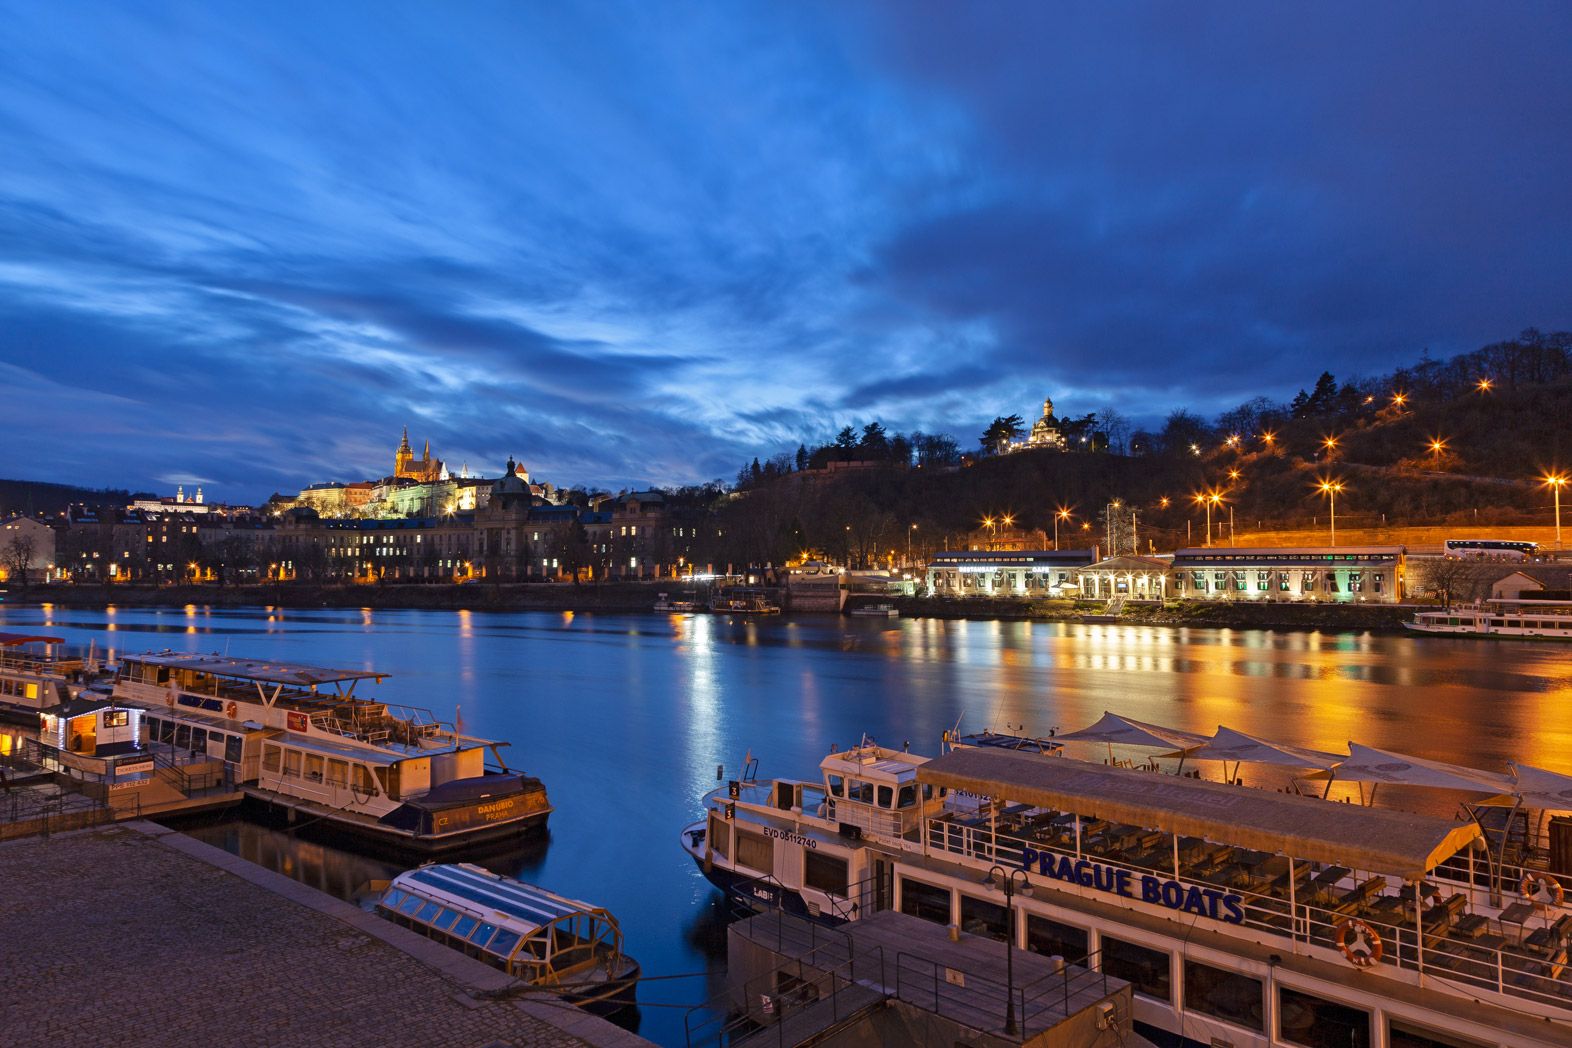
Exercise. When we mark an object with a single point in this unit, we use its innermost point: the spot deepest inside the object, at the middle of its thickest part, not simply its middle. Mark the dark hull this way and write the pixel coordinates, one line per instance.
(295, 812)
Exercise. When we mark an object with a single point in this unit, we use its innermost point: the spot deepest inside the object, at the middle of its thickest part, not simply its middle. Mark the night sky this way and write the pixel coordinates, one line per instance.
(243, 244)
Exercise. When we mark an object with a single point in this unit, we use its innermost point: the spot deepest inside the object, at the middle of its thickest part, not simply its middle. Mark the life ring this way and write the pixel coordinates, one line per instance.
(231, 710)
(1359, 943)
(169, 697)
(1542, 889)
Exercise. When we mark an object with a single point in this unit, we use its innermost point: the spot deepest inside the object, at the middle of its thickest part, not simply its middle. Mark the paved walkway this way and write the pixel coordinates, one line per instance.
(134, 935)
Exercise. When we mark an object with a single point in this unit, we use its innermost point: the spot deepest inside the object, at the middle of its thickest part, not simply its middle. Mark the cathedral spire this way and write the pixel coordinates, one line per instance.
(403, 445)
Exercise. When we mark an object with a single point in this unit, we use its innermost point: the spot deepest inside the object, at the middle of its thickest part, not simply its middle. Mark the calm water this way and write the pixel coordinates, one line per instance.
(626, 717)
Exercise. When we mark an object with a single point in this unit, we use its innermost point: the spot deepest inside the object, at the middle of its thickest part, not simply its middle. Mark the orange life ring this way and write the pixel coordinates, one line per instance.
(1359, 943)
(1542, 890)
(231, 711)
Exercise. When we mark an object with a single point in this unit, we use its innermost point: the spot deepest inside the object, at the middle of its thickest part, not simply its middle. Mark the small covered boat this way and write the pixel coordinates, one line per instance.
(547, 940)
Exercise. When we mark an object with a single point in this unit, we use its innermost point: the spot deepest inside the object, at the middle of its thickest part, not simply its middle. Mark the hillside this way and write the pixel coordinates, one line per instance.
(39, 497)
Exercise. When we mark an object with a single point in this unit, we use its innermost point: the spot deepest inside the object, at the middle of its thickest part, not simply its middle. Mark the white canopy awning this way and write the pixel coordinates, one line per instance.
(1123, 731)
(1540, 788)
(1236, 746)
(1368, 764)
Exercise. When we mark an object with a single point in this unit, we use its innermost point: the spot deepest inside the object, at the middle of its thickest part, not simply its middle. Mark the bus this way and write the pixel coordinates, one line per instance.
(1489, 549)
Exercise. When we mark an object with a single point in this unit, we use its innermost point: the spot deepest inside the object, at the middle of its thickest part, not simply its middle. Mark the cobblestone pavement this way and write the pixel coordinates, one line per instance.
(114, 937)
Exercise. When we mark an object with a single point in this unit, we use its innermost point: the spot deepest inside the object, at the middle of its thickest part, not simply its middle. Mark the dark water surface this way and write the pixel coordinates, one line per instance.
(625, 717)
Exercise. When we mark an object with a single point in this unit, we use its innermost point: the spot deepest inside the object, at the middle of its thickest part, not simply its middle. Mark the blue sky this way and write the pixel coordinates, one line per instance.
(244, 244)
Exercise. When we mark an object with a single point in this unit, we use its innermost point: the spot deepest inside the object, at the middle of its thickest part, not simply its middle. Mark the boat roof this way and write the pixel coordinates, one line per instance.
(524, 907)
(254, 669)
(873, 763)
(11, 640)
(365, 754)
(1373, 839)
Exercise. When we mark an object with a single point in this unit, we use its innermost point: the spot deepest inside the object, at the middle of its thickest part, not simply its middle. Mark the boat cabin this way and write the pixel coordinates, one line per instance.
(533, 934)
(876, 790)
(91, 727)
(34, 674)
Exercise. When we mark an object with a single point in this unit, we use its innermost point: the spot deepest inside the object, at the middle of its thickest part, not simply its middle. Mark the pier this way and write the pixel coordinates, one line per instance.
(136, 935)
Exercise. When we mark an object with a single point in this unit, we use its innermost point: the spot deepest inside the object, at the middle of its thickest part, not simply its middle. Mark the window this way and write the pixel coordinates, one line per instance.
(925, 901)
(755, 850)
(1145, 969)
(292, 764)
(1316, 1022)
(1223, 994)
(981, 917)
(314, 767)
(463, 926)
(1054, 939)
(1407, 1035)
(827, 873)
(886, 796)
(338, 773)
(360, 777)
(908, 795)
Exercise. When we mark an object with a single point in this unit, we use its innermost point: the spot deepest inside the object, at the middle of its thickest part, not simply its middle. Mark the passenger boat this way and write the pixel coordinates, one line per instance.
(875, 611)
(1242, 916)
(36, 674)
(299, 738)
(680, 603)
(545, 939)
(1500, 619)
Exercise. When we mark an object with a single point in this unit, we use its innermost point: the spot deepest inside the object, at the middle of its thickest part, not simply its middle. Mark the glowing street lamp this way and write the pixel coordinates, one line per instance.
(1437, 445)
(1268, 438)
(1484, 385)
(1329, 443)
(909, 531)
(1162, 503)
(1233, 474)
(1063, 514)
(1556, 481)
(1208, 499)
(1399, 399)
(1330, 488)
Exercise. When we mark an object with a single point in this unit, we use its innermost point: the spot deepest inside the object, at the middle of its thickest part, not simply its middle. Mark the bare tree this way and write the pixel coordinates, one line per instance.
(18, 557)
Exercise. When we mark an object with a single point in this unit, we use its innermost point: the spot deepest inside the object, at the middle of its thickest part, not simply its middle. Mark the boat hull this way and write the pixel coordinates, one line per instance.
(296, 811)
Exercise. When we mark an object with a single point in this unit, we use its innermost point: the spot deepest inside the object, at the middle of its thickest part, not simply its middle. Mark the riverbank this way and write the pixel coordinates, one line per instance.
(625, 597)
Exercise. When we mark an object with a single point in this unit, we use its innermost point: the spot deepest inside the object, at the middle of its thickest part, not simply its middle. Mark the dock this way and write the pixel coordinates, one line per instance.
(132, 934)
(891, 977)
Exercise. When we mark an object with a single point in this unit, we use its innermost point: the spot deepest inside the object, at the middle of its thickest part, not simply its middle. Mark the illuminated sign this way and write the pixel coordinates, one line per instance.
(1187, 898)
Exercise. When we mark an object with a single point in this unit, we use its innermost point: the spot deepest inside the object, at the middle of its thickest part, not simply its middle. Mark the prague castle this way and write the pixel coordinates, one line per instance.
(423, 470)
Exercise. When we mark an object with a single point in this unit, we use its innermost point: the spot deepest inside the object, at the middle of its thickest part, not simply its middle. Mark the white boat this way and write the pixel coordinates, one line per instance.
(875, 611)
(1240, 916)
(743, 601)
(1501, 619)
(683, 603)
(299, 738)
(547, 940)
(37, 673)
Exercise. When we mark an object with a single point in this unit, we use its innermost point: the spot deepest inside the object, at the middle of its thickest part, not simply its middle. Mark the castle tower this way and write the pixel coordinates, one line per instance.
(403, 456)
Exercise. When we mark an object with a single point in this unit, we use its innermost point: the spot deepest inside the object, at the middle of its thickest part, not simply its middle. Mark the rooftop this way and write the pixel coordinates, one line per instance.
(253, 669)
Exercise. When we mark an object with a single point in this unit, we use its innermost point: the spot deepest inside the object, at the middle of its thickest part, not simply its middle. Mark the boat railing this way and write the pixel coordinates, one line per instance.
(944, 989)
(1334, 912)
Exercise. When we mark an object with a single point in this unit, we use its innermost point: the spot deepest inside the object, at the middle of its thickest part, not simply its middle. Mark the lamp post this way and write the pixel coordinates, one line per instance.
(1006, 880)
(1330, 488)
(1556, 481)
(1208, 499)
(1063, 514)
(909, 531)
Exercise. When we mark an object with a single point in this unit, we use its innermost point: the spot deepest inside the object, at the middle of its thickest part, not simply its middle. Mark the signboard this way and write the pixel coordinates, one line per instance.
(1215, 903)
(133, 768)
(296, 721)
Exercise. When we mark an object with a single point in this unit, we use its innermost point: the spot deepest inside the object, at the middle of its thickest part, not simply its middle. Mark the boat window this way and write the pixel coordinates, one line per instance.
(382, 779)
(292, 764)
(1315, 1022)
(755, 850)
(427, 912)
(270, 759)
(391, 898)
(410, 904)
(117, 718)
(182, 736)
(837, 786)
(886, 796)
(827, 873)
(909, 795)
(483, 934)
(166, 732)
(982, 917)
(1054, 939)
(444, 920)
(314, 767)
(719, 835)
(505, 943)
(1143, 968)
(857, 790)
(925, 901)
(1406, 1035)
(198, 740)
(1222, 994)
(463, 926)
(360, 776)
(338, 772)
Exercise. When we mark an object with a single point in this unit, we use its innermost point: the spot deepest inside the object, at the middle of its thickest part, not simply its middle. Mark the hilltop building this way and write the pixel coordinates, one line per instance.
(423, 470)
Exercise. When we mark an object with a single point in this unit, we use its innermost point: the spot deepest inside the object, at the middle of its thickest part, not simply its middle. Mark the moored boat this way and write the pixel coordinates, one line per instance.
(1240, 915)
(744, 601)
(559, 944)
(1499, 619)
(299, 738)
(37, 673)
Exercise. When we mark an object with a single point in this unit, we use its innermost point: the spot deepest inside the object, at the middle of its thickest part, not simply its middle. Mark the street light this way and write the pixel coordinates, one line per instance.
(1006, 880)
(1556, 481)
(1329, 442)
(1399, 399)
(1208, 499)
(1063, 514)
(1330, 488)
(1437, 445)
(1484, 385)
(1268, 438)
(909, 531)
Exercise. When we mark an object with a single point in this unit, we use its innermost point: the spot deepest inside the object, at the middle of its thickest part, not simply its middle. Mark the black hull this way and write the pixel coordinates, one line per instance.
(293, 813)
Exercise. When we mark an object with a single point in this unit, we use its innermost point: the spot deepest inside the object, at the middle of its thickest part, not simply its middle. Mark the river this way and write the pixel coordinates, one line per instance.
(625, 717)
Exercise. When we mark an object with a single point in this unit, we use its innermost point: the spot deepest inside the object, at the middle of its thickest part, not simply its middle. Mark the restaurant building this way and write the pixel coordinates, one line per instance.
(1007, 573)
(1341, 574)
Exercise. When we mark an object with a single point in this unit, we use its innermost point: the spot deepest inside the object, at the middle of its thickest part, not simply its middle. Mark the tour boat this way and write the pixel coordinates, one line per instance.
(744, 602)
(875, 611)
(1500, 618)
(299, 738)
(1241, 916)
(547, 940)
(679, 604)
(36, 674)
